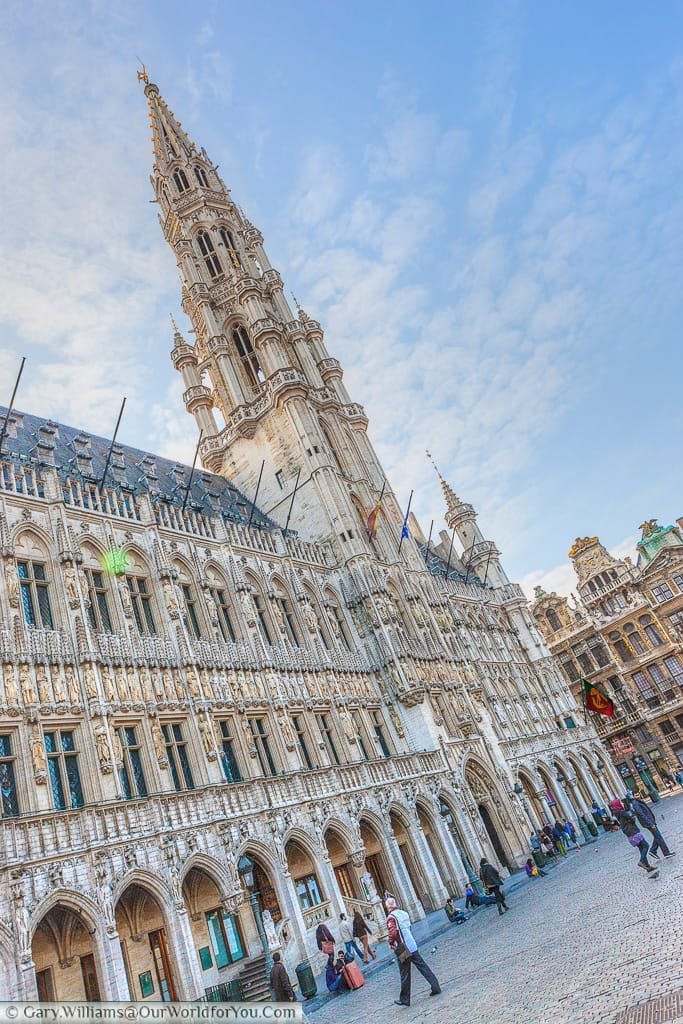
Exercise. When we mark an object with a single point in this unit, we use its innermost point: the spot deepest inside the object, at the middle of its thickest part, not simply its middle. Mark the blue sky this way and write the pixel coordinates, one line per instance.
(481, 203)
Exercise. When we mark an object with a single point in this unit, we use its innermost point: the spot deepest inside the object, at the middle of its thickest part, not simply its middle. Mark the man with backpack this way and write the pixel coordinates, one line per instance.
(403, 943)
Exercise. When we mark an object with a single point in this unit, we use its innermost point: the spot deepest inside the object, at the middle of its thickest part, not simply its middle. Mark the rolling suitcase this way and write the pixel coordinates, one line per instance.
(353, 976)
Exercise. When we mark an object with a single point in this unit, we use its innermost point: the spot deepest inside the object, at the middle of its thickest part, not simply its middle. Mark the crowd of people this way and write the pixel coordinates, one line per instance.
(630, 815)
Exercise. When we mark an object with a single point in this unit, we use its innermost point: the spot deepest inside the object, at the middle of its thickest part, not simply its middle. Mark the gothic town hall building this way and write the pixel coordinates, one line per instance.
(215, 733)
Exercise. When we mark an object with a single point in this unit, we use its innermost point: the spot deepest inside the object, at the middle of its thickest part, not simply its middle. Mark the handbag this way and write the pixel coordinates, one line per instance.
(636, 839)
(400, 949)
(327, 947)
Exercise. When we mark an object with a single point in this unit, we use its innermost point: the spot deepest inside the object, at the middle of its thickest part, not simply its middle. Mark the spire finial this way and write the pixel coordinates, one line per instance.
(296, 302)
(142, 74)
(174, 325)
(436, 468)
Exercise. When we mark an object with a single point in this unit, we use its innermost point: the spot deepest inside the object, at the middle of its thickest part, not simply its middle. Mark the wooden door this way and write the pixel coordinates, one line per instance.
(91, 984)
(162, 965)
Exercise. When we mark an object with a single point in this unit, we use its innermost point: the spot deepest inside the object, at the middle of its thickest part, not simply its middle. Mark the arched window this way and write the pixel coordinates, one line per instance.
(180, 179)
(190, 606)
(634, 638)
(225, 613)
(248, 357)
(140, 594)
(209, 253)
(99, 594)
(262, 620)
(337, 619)
(284, 614)
(621, 647)
(34, 582)
(229, 243)
(553, 620)
(314, 621)
(651, 631)
(200, 174)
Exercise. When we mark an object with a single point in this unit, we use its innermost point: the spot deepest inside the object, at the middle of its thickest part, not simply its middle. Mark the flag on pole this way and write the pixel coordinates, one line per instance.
(371, 524)
(405, 532)
(597, 701)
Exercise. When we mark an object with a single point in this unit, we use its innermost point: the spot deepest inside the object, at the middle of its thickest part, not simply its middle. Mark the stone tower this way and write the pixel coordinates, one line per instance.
(259, 380)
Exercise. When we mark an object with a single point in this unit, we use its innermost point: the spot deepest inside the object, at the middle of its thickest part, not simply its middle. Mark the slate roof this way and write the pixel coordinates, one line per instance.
(82, 456)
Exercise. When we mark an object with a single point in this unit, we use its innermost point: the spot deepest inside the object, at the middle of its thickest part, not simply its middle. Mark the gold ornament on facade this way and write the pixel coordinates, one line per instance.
(581, 544)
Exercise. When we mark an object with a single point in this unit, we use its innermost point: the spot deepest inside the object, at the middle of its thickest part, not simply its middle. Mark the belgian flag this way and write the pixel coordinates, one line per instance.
(597, 701)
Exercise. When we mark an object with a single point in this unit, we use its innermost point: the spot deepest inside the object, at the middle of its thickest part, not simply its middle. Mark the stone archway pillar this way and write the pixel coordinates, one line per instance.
(27, 982)
(407, 895)
(436, 889)
(112, 968)
(329, 883)
(189, 976)
(452, 854)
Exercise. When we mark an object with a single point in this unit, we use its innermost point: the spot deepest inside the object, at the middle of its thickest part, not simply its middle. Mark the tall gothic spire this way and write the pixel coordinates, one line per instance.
(264, 369)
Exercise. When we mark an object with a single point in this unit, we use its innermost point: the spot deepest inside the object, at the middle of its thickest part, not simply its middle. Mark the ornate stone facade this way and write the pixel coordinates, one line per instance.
(185, 685)
(625, 635)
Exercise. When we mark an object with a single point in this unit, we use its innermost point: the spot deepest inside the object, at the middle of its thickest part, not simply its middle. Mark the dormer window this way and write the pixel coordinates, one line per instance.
(209, 253)
(181, 182)
(201, 177)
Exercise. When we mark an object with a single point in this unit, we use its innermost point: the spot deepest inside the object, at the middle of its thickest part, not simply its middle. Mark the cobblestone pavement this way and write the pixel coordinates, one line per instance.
(595, 942)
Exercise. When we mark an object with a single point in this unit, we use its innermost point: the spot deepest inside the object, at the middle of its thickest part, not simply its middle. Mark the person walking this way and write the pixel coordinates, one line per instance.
(361, 930)
(347, 936)
(324, 939)
(570, 834)
(402, 941)
(492, 880)
(279, 981)
(647, 819)
(629, 826)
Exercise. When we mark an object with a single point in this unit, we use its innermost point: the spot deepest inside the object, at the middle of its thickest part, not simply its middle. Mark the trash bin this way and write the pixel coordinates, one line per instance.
(306, 980)
(540, 860)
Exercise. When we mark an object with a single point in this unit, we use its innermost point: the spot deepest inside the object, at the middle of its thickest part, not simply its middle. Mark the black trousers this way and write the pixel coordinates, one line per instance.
(405, 969)
(500, 897)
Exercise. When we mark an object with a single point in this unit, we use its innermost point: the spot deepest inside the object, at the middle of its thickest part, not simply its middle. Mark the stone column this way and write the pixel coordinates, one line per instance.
(407, 896)
(112, 967)
(188, 975)
(453, 854)
(435, 887)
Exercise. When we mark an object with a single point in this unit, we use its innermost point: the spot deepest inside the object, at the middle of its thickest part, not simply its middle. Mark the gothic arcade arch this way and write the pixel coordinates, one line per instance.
(488, 799)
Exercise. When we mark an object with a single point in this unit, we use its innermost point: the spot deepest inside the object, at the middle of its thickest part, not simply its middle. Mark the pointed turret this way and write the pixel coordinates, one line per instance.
(266, 370)
(480, 556)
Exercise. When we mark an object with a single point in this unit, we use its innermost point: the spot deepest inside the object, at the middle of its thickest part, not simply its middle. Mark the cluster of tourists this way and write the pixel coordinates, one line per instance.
(630, 815)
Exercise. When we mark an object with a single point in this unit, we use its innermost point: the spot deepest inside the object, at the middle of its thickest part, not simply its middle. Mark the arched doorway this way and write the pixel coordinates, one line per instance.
(313, 904)
(443, 863)
(67, 967)
(219, 936)
(376, 861)
(344, 872)
(483, 791)
(410, 859)
(146, 946)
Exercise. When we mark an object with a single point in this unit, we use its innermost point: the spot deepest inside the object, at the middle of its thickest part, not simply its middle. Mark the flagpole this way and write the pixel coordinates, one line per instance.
(405, 522)
(194, 464)
(291, 506)
(450, 552)
(111, 446)
(429, 538)
(585, 709)
(11, 403)
(253, 504)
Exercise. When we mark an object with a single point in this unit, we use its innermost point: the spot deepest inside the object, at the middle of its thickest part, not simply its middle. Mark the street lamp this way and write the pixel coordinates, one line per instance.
(245, 869)
(472, 878)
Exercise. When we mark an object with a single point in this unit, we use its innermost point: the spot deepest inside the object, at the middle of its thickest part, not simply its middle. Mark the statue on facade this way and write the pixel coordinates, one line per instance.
(25, 681)
(12, 584)
(102, 748)
(269, 929)
(44, 694)
(368, 884)
(38, 755)
(73, 594)
(58, 687)
(10, 686)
